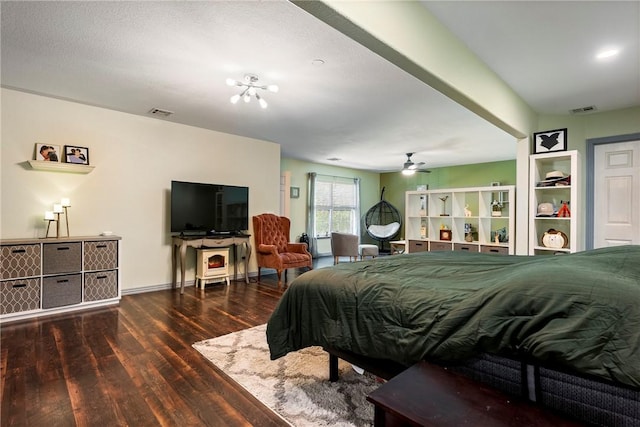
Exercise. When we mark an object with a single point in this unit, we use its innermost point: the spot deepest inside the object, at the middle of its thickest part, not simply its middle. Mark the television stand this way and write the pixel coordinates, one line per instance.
(181, 243)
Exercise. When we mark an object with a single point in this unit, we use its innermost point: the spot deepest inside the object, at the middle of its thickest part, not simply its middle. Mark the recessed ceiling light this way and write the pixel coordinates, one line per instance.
(607, 53)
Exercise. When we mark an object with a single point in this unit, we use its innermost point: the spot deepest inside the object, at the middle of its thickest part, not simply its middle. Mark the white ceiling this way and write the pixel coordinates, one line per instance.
(133, 56)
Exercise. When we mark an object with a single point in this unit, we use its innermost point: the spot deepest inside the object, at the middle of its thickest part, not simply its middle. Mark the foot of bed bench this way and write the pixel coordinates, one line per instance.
(430, 395)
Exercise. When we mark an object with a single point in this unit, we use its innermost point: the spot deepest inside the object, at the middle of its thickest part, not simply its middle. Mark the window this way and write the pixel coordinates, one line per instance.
(334, 205)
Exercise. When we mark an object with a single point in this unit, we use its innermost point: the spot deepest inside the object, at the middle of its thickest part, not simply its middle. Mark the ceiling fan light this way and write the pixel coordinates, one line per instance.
(235, 98)
(261, 101)
(231, 82)
(408, 172)
(273, 88)
(247, 97)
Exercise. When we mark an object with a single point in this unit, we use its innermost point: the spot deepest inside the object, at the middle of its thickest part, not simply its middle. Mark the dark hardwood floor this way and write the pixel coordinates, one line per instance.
(133, 364)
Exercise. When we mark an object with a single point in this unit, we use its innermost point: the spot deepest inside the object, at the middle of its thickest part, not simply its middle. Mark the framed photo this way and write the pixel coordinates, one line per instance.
(445, 234)
(550, 141)
(76, 155)
(48, 152)
(294, 192)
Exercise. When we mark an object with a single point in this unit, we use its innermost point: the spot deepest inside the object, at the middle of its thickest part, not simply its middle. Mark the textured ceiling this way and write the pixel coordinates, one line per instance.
(134, 56)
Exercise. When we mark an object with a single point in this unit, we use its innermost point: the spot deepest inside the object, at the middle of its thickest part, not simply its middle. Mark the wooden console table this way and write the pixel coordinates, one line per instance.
(180, 245)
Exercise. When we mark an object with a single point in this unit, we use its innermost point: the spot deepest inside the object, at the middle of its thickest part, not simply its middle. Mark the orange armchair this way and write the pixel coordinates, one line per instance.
(273, 248)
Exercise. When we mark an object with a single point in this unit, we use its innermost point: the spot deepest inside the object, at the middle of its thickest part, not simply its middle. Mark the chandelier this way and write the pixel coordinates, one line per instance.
(250, 88)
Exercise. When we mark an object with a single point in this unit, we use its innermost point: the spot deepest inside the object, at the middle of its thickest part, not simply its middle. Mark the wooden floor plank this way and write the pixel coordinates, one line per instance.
(134, 364)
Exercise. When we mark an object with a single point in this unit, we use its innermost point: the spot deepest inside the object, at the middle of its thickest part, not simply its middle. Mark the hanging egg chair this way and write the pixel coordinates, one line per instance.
(382, 221)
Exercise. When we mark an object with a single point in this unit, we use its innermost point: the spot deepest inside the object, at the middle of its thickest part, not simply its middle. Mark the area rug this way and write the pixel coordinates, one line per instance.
(296, 386)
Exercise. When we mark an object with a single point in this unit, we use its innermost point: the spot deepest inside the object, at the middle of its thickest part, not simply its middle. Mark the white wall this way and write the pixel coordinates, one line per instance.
(135, 159)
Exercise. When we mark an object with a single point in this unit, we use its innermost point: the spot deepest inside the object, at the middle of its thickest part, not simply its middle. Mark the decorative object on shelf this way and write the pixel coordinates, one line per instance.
(468, 232)
(49, 217)
(294, 192)
(54, 216)
(423, 205)
(76, 155)
(555, 239)
(550, 141)
(546, 209)
(444, 205)
(500, 235)
(564, 211)
(57, 211)
(496, 208)
(445, 234)
(250, 88)
(66, 204)
(467, 211)
(47, 153)
(555, 179)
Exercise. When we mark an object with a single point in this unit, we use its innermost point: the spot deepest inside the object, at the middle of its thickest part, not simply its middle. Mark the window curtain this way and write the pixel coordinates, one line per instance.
(311, 214)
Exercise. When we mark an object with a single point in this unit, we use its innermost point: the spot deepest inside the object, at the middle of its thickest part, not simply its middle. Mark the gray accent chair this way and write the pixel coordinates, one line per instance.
(343, 244)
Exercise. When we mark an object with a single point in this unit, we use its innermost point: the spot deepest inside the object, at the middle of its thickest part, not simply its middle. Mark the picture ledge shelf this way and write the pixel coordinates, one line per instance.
(60, 167)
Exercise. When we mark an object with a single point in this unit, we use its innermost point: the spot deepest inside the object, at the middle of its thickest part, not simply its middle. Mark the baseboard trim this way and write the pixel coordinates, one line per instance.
(187, 283)
(153, 288)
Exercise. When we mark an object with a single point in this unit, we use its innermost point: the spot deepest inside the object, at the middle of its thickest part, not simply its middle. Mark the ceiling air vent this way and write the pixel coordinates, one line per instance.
(582, 110)
(160, 113)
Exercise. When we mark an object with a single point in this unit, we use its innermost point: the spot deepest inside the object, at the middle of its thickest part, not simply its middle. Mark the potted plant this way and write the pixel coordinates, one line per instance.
(496, 208)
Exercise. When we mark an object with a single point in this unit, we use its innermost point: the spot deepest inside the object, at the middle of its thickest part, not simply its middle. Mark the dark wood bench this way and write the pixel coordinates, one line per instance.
(430, 395)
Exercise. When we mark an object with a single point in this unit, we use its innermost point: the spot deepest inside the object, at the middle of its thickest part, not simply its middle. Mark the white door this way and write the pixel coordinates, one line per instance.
(285, 197)
(616, 194)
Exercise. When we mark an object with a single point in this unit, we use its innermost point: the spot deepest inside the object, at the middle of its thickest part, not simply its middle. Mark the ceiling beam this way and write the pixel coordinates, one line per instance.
(409, 36)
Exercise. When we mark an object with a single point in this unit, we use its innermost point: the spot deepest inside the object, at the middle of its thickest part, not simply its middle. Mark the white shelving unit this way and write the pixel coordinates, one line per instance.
(51, 276)
(457, 210)
(567, 162)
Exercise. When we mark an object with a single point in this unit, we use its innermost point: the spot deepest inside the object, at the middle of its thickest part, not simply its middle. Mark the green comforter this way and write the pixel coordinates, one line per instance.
(579, 311)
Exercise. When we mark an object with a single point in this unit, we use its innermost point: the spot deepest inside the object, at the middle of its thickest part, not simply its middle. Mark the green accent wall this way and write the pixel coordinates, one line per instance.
(474, 175)
(371, 183)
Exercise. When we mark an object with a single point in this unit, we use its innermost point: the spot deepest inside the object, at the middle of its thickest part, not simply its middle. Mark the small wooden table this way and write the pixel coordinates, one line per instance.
(429, 395)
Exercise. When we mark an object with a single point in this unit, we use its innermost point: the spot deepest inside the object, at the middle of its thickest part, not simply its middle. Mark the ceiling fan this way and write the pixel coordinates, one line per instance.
(409, 167)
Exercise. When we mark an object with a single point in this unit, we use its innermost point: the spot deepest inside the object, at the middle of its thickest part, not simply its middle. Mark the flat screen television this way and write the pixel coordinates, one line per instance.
(198, 208)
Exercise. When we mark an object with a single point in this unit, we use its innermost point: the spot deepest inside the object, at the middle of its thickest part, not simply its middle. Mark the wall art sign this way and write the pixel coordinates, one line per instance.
(550, 141)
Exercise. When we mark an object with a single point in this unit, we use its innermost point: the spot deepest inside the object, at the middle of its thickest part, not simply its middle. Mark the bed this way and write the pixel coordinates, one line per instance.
(555, 329)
